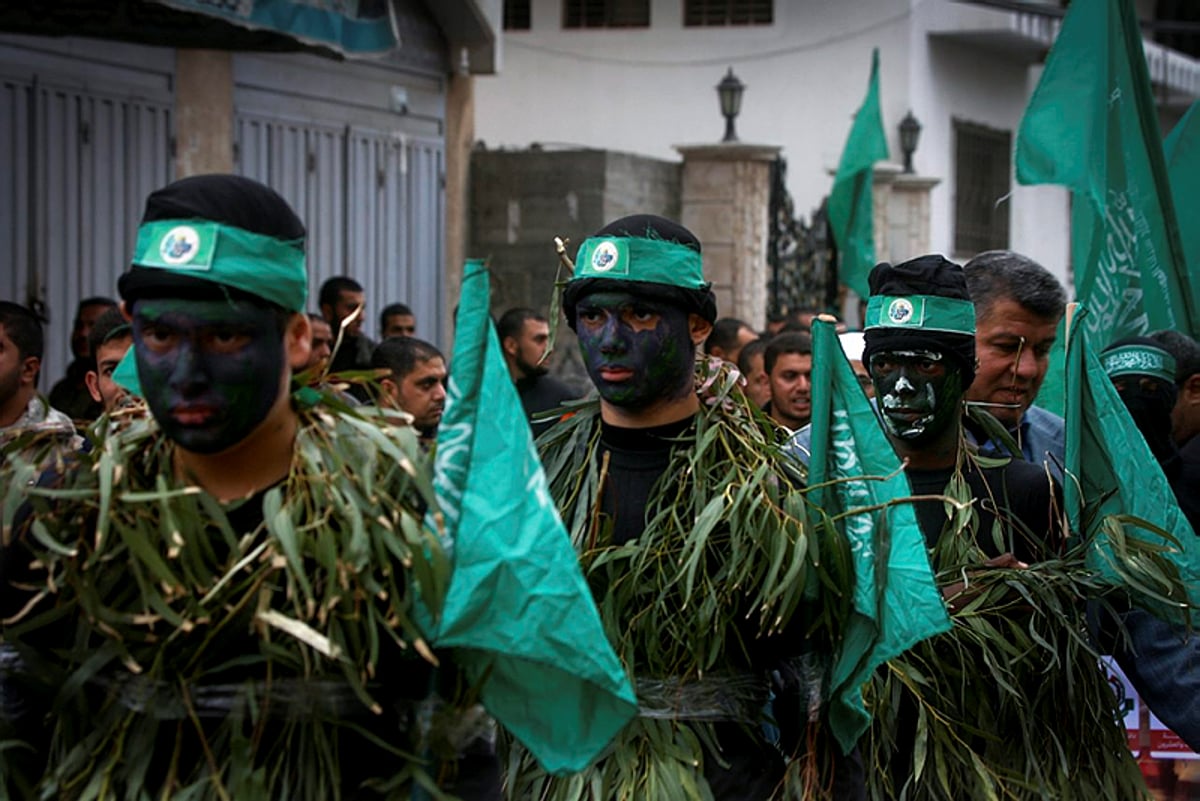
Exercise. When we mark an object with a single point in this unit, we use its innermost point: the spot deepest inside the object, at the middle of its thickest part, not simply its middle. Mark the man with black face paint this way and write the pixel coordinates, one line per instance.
(919, 346)
(630, 475)
(243, 507)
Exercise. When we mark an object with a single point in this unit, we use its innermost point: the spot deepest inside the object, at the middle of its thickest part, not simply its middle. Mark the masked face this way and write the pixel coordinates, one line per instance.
(919, 394)
(210, 369)
(1149, 401)
(636, 351)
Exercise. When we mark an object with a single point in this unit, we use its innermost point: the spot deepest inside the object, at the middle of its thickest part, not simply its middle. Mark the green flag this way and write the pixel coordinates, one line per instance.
(850, 208)
(1092, 126)
(1112, 477)
(853, 467)
(1182, 150)
(517, 606)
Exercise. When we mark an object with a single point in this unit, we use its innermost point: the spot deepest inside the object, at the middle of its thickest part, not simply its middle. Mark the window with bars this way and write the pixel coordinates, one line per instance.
(606, 13)
(982, 180)
(702, 13)
(516, 15)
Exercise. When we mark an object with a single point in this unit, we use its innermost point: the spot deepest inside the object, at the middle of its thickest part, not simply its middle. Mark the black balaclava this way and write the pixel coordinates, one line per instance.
(1148, 393)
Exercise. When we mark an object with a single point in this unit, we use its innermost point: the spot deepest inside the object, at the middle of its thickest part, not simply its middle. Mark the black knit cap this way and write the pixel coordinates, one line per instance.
(924, 275)
(650, 226)
(227, 199)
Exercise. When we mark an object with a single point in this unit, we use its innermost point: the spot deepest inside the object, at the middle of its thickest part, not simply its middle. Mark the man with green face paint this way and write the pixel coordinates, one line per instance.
(233, 585)
(667, 437)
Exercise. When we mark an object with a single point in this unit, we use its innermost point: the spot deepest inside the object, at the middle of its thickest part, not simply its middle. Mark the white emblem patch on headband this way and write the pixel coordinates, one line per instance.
(604, 257)
(900, 311)
(180, 246)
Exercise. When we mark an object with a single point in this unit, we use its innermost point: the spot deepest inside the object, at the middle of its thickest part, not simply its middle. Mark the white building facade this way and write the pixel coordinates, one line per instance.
(640, 76)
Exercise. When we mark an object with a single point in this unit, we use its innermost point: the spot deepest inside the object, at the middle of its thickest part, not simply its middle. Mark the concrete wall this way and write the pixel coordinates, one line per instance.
(522, 200)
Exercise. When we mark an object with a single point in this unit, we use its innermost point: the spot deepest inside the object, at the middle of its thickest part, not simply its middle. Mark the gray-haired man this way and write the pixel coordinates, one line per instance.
(1018, 304)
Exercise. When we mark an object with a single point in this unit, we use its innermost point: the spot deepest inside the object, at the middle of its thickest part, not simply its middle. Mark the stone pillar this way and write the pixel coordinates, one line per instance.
(900, 208)
(725, 201)
(203, 112)
(902, 232)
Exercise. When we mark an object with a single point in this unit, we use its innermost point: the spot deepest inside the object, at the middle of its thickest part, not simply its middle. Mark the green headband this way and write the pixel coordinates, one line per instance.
(269, 268)
(921, 312)
(1139, 360)
(653, 261)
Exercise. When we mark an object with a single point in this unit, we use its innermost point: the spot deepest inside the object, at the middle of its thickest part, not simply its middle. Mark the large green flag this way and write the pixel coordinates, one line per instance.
(1114, 485)
(850, 208)
(853, 467)
(1092, 126)
(517, 609)
(1182, 150)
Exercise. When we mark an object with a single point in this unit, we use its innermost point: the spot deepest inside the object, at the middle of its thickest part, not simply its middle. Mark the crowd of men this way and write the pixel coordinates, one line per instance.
(633, 473)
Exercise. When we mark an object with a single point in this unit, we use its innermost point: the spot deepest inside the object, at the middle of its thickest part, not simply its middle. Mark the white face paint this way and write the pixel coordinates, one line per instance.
(907, 383)
(906, 396)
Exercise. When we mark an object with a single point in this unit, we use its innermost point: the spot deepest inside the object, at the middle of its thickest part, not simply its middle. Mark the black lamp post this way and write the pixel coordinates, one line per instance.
(910, 132)
(729, 90)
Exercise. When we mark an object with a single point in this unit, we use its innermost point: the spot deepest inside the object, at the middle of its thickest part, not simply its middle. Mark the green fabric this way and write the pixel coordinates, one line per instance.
(125, 374)
(1092, 126)
(927, 312)
(896, 602)
(850, 207)
(626, 258)
(517, 606)
(1139, 360)
(1051, 396)
(352, 29)
(264, 266)
(1111, 472)
(1182, 150)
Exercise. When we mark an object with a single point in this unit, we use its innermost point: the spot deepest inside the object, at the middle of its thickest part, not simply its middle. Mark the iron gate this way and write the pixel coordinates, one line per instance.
(802, 255)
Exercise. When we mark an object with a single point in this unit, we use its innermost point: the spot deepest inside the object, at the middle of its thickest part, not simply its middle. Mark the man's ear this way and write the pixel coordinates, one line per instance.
(1190, 391)
(297, 339)
(127, 312)
(699, 328)
(92, 379)
(390, 396)
(510, 346)
(29, 369)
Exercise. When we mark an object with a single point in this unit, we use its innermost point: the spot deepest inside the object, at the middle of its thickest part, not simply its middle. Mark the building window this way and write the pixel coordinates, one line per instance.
(697, 13)
(606, 13)
(516, 15)
(981, 186)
